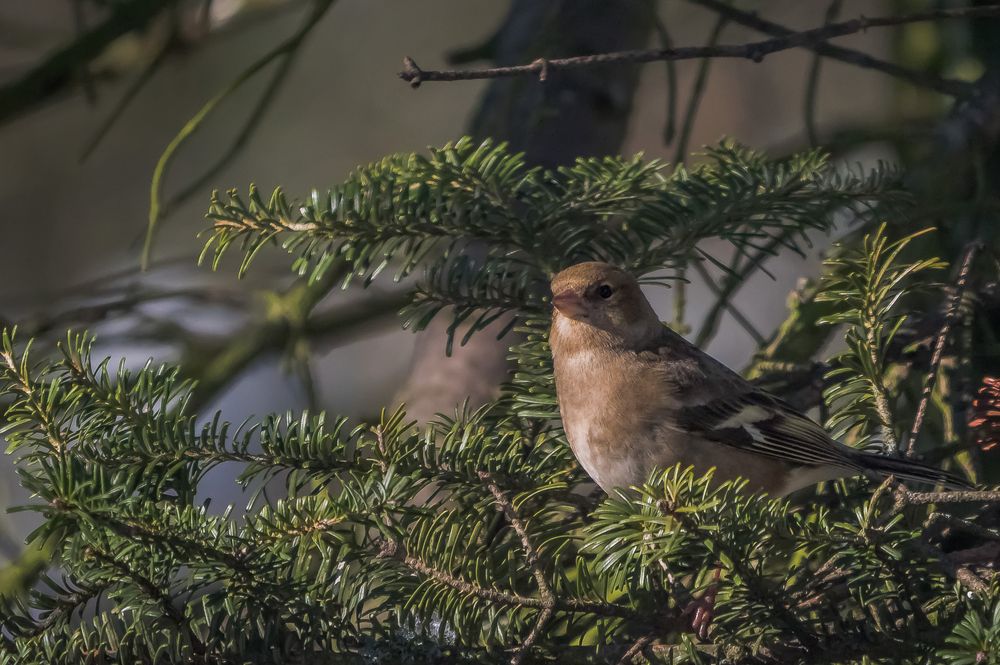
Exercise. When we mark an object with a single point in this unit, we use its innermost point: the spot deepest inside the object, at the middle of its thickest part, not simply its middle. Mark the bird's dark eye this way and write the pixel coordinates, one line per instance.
(605, 291)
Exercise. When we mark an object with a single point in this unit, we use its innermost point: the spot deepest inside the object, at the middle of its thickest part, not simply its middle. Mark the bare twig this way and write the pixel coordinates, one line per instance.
(962, 496)
(985, 554)
(952, 87)
(86, 75)
(953, 563)
(957, 523)
(51, 75)
(939, 343)
(755, 51)
(830, 578)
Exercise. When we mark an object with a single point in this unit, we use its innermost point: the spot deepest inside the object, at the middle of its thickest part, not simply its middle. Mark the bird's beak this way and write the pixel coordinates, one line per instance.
(569, 304)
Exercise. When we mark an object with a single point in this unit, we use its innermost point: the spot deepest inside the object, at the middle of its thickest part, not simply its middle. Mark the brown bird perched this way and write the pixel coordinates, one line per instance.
(635, 396)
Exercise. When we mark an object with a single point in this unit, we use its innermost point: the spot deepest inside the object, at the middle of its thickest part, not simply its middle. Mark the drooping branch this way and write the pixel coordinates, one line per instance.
(755, 51)
(284, 51)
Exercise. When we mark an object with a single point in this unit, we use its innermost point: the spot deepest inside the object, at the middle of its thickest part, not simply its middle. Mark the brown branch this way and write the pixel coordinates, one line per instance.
(953, 563)
(987, 553)
(943, 519)
(755, 51)
(951, 87)
(962, 573)
(531, 558)
(950, 317)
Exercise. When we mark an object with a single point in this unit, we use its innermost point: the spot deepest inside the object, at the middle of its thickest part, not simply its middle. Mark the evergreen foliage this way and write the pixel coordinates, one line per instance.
(477, 538)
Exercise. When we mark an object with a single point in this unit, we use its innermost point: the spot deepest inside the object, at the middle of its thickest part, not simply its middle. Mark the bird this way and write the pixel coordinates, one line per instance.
(635, 396)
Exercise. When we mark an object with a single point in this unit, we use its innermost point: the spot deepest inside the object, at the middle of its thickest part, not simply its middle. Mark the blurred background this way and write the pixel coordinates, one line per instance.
(76, 165)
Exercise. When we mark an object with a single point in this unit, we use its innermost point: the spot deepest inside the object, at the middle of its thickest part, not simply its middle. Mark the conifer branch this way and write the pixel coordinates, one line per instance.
(532, 559)
(156, 594)
(567, 605)
(390, 540)
(753, 582)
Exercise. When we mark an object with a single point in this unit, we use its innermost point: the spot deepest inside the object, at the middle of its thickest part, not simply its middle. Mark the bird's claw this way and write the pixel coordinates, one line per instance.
(702, 611)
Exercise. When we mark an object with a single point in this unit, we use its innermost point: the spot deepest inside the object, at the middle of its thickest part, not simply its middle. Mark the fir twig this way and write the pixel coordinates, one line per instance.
(531, 558)
(570, 605)
(937, 519)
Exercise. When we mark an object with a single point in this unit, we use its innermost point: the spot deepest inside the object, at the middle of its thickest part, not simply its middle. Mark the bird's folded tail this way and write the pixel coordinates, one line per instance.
(905, 469)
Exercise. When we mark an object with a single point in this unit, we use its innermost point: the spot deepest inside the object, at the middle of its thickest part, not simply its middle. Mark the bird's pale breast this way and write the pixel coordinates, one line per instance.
(619, 414)
(608, 419)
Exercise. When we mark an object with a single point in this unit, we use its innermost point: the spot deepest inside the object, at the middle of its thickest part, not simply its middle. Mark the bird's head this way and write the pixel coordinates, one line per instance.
(605, 297)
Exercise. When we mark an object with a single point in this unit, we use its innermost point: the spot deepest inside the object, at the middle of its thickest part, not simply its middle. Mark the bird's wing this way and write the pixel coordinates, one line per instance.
(712, 401)
(760, 423)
